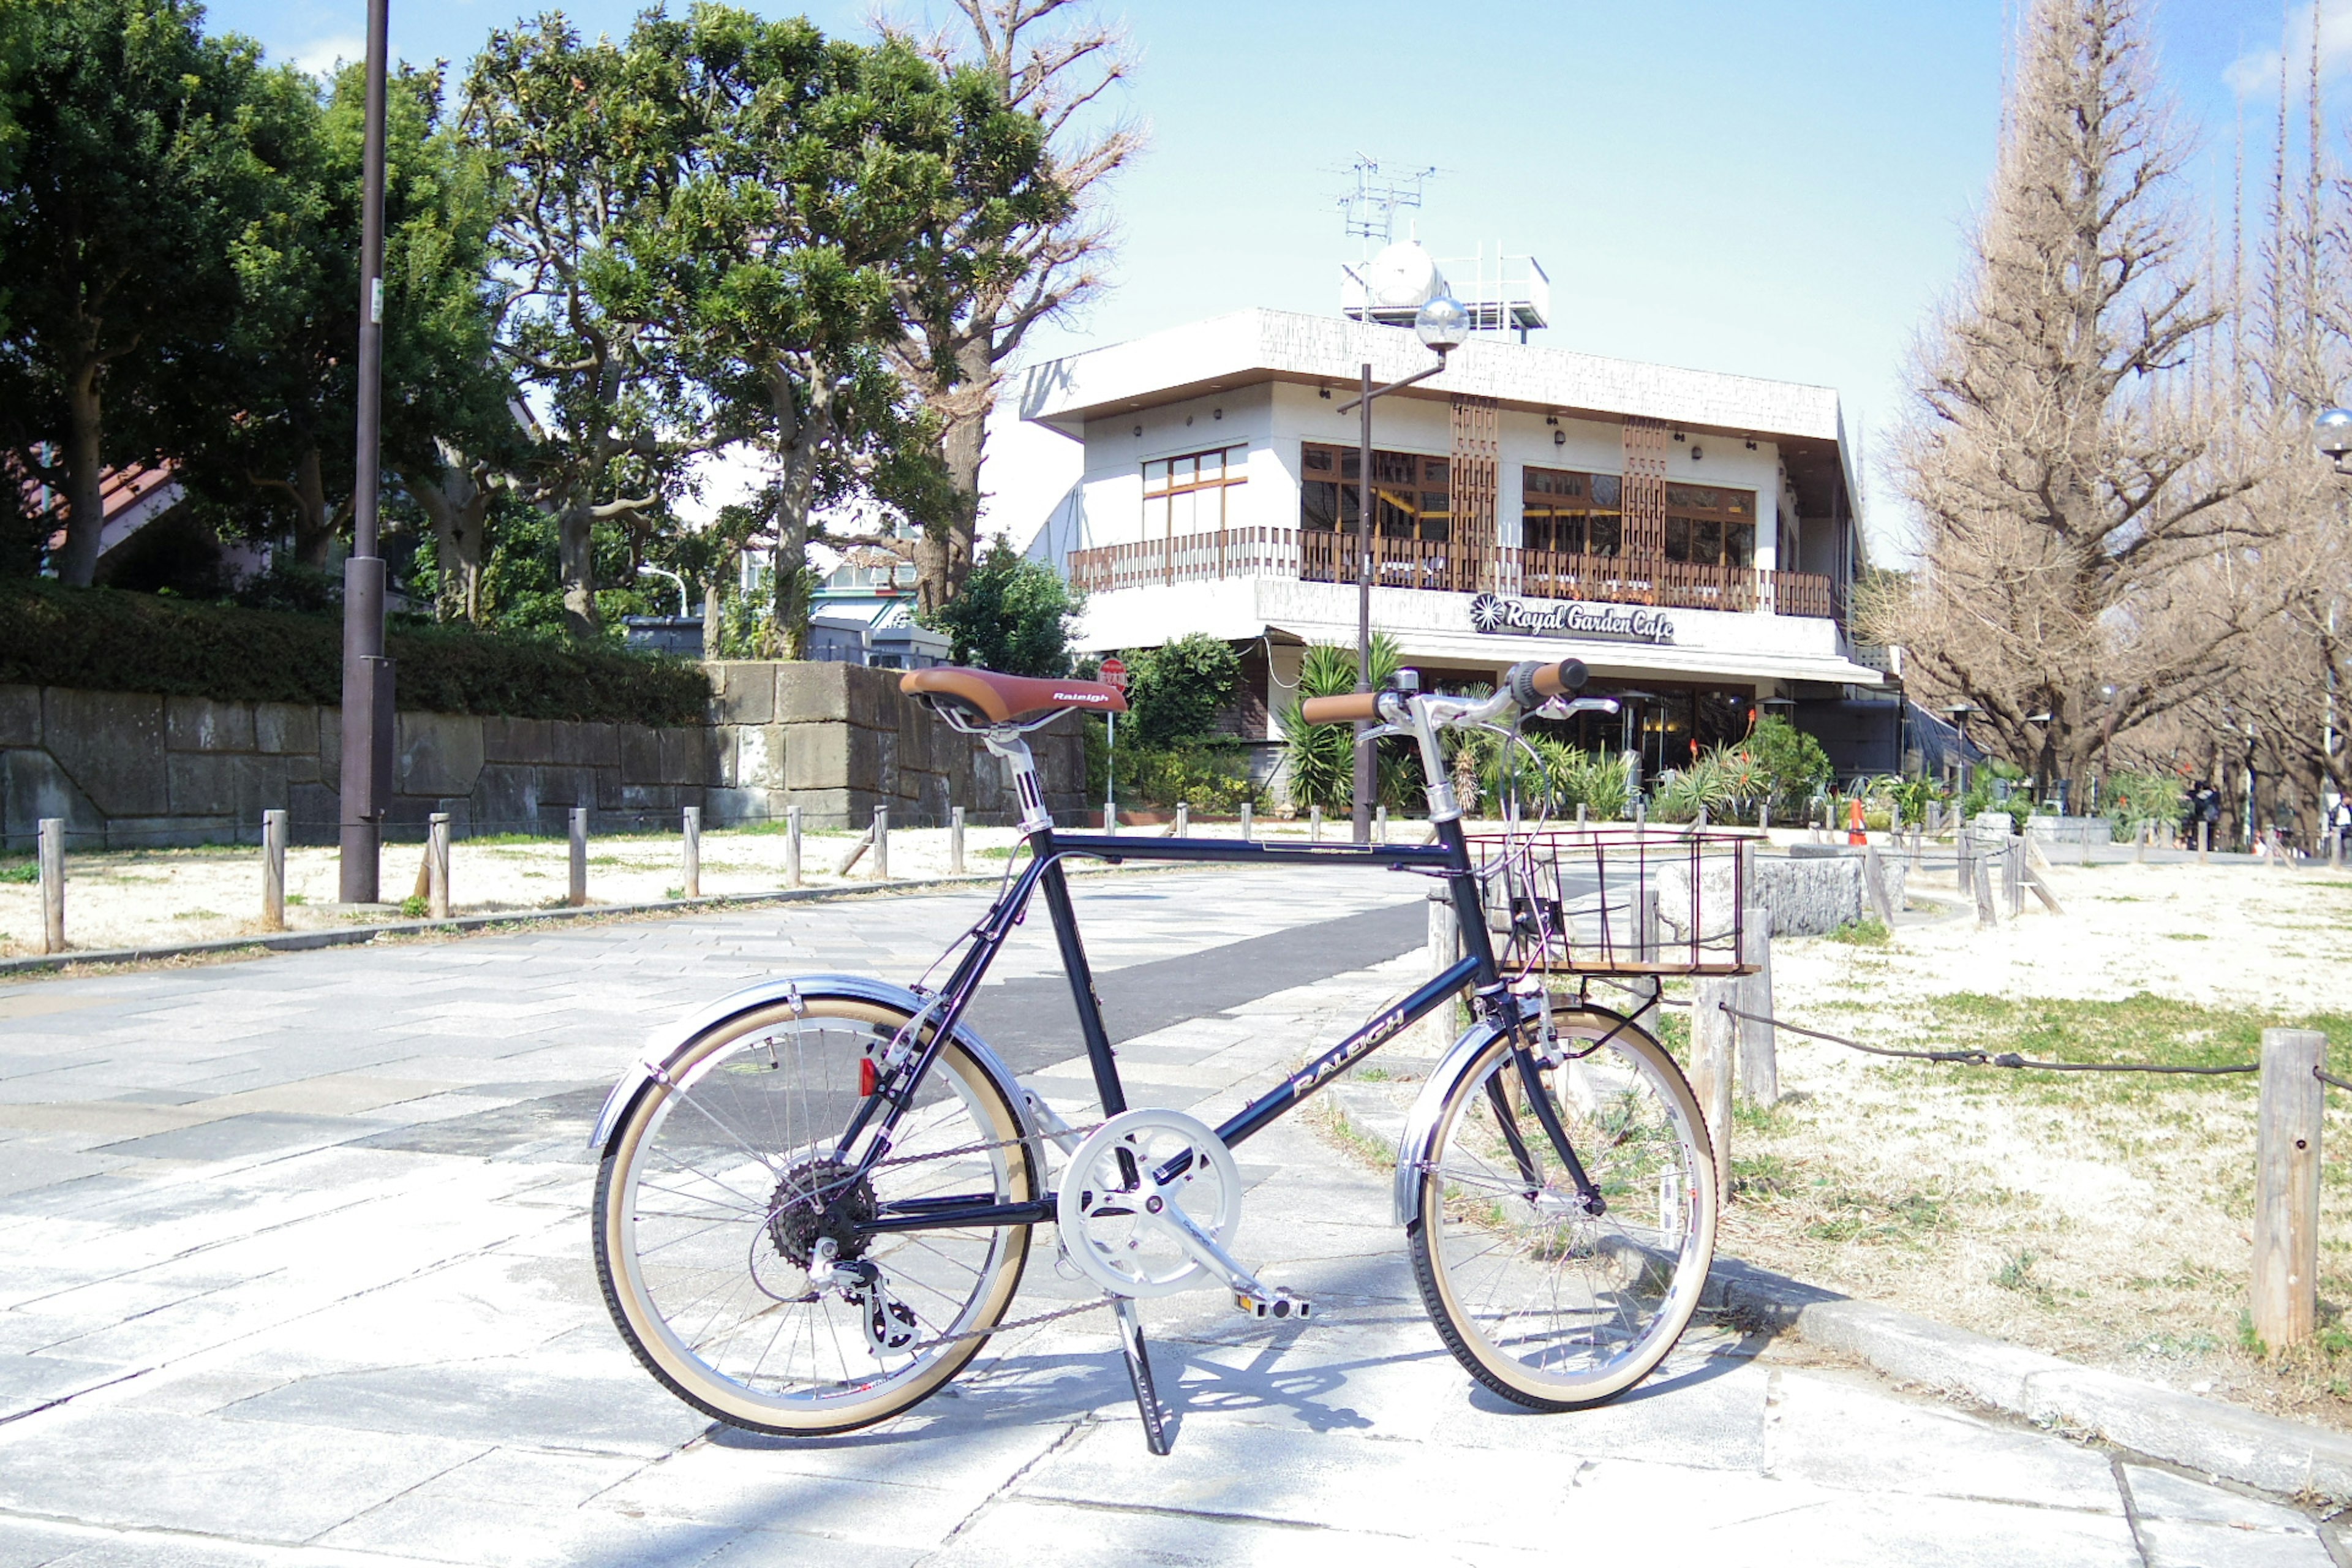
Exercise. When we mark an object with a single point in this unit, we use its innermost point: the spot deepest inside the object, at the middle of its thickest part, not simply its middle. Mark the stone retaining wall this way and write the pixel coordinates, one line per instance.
(125, 769)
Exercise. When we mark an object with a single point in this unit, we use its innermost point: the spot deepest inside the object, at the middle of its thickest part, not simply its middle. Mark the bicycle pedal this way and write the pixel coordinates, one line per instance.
(1280, 1303)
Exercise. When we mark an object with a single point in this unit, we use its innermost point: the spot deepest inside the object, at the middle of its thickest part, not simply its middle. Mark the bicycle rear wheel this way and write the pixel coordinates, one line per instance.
(1548, 1306)
(712, 1204)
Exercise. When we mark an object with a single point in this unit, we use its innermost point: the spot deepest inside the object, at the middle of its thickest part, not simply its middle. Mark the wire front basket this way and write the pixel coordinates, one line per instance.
(1616, 900)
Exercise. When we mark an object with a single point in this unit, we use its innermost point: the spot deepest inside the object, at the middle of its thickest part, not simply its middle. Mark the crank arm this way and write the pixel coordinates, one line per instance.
(1206, 1252)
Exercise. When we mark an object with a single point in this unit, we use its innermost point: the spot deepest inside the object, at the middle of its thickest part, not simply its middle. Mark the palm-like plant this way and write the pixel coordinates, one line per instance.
(1319, 759)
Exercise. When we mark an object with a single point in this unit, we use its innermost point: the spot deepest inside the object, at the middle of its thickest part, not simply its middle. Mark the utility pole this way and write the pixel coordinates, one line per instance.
(366, 777)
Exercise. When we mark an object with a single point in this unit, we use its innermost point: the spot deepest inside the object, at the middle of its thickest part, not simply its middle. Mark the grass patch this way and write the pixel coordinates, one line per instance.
(2187, 936)
(1867, 932)
(21, 871)
(413, 906)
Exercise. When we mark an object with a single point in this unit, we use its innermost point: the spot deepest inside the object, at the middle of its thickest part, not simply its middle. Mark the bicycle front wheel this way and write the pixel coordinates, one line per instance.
(714, 1199)
(1547, 1305)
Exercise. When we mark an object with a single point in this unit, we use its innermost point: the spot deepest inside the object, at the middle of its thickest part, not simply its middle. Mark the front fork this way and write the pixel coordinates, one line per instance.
(1500, 1008)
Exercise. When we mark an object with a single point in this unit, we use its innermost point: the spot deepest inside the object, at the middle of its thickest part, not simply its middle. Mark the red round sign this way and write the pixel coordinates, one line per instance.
(1114, 674)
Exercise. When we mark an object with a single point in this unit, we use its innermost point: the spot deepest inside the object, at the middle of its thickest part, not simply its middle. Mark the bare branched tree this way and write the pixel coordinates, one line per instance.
(2058, 456)
(1051, 60)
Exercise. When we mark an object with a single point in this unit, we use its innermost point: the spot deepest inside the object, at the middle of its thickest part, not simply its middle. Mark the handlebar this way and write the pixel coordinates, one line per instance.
(1345, 708)
(1529, 686)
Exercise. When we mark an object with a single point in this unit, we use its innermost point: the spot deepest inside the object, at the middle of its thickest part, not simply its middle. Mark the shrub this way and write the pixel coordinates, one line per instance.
(102, 640)
(1013, 617)
(1319, 759)
(1177, 690)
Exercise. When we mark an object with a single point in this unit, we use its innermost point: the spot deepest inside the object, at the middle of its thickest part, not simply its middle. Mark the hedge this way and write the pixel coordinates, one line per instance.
(101, 640)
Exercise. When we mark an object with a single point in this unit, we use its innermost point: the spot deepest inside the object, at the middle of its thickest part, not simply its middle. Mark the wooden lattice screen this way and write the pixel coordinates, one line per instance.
(1474, 482)
(1645, 488)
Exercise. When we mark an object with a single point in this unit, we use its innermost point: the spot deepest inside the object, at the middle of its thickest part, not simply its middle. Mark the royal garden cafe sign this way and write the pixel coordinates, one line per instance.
(1492, 613)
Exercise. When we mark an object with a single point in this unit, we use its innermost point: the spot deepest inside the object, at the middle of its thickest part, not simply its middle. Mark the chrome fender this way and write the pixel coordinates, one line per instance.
(663, 1044)
(1417, 1144)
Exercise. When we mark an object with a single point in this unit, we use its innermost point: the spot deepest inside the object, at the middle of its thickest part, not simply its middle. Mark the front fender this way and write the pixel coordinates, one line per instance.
(665, 1042)
(1417, 1144)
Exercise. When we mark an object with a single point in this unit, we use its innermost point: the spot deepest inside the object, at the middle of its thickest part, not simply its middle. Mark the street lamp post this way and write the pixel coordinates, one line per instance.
(365, 784)
(1443, 325)
(650, 570)
(1958, 714)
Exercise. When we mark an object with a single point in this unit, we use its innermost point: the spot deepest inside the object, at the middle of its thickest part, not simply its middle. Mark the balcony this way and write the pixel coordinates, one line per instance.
(1457, 567)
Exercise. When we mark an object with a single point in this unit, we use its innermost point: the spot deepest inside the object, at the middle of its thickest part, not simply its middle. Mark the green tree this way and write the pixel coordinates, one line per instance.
(590, 141)
(1013, 617)
(832, 173)
(286, 366)
(136, 171)
(1789, 765)
(1178, 689)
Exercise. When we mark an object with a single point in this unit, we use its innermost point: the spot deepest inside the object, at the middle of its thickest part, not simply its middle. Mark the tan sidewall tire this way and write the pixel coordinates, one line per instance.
(1500, 1373)
(687, 1378)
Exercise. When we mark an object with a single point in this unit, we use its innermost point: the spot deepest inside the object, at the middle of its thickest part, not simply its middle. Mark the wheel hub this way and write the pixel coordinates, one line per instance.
(820, 1198)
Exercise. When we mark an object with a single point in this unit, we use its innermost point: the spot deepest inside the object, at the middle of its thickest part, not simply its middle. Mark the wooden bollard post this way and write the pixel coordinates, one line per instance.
(2286, 1187)
(273, 869)
(1759, 1057)
(2335, 850)
(1763, 818)
(2204, 842)
(1712, 1067)
(791, 846)
(1246, 819)
(1184, 819)
(1444, 945)
(2013, 880)
(2139, 842)
(1314, 825)
(1581, 814)
(1873, 882)
(881, 843)
(691, 849)
(51, 843)
(579, 897)
(1380, 825)
(436, 865)
(955, 842)
(1982, 869)
(1111, 816)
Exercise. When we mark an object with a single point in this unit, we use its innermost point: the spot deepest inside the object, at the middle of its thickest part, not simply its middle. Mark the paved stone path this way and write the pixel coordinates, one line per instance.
(294, 1270)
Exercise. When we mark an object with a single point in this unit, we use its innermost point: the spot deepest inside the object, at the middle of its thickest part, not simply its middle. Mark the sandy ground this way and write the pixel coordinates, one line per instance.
(2105, 1218)
(118, 899)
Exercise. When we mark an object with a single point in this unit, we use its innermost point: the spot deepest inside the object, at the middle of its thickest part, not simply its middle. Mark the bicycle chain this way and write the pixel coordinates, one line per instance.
(984, 1148)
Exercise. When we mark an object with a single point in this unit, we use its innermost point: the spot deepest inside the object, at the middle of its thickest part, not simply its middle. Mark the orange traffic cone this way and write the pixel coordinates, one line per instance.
(1854, 831)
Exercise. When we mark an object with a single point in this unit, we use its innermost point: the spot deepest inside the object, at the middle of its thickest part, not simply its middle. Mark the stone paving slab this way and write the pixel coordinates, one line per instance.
(361, 1325)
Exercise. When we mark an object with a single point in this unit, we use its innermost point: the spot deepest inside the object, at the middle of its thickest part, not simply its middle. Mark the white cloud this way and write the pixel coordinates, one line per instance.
(320, 56)
(2255, 73)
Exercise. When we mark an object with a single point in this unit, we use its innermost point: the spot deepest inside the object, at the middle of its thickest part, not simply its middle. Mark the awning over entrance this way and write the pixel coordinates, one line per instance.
(1613, 656)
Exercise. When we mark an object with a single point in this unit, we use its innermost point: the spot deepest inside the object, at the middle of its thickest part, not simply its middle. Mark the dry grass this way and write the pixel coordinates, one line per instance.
(2102, 1217)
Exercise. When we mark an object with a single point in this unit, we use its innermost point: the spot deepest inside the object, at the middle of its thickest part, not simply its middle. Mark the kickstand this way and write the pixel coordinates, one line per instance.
(1138, 1371)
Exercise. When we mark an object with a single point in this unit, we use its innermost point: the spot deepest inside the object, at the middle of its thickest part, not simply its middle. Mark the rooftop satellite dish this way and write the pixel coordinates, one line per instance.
(1401, 277)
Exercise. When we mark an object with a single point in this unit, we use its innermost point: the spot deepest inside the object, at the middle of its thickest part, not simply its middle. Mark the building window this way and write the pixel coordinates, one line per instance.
(1412, 494)
(1710, 526)
(1187, 494)
(1564, 512)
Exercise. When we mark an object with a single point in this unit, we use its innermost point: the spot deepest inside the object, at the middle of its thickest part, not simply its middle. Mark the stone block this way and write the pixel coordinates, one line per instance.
(685, 755)
(110, 744)
(743, 691)
(201, 724)
(568, 742)
(811, 692)
(286, 728)
(20, 715)
(314, 813)
(734, 807)
(917, 732)
(436, 753)
(169, 832)
(517, 741)
(641, 758)
(604, 744)
(755, 753)
(203, 784)
(831, 757)
(874, 699)
(33, 787)
(829, 807)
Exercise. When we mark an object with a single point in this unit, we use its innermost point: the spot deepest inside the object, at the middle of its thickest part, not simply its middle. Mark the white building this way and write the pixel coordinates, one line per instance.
(1691, 536)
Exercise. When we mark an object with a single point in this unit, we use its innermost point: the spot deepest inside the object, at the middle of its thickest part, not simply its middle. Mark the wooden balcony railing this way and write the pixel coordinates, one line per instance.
(1315, 556)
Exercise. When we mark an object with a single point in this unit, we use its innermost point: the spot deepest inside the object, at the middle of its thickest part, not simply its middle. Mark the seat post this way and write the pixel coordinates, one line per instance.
(1007, 743)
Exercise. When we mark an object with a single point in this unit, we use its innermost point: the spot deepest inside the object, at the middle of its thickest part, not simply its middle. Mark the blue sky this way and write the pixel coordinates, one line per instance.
(1772, 187)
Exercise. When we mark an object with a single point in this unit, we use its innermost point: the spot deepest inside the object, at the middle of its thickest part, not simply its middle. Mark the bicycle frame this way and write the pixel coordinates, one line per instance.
(895, 1090)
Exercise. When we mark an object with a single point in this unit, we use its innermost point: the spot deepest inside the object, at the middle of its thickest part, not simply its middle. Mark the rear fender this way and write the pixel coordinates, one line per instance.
(664, 1045)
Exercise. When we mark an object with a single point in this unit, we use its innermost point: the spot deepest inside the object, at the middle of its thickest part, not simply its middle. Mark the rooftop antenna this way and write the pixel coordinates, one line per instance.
(1368, 212)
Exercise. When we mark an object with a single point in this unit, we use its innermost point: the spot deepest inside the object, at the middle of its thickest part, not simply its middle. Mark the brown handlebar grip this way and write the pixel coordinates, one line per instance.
(1341, 709)
(1559, 679)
